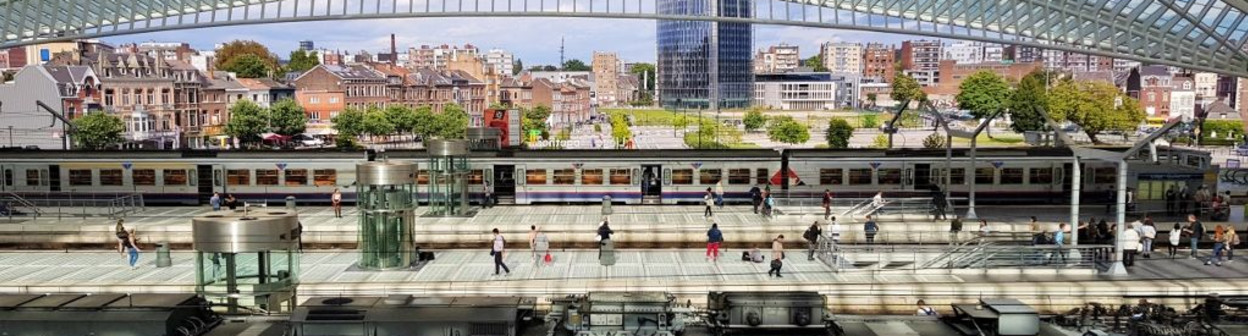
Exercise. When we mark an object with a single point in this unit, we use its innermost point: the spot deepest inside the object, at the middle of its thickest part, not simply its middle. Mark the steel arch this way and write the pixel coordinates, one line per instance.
(1206, 35)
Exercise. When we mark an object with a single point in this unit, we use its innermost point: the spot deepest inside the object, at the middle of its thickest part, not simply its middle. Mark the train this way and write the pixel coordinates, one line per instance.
(1005, 175)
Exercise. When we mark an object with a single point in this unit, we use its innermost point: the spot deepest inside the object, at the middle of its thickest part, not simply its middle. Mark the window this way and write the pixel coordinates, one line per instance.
(983, 175)
(325, 177)
(739, 176)
(144, 177)
(333, 100)
(1105, 175)
(79, 177)
(762, 177)
(1011, 175)
(957, 176)
(890, 176)
(8, 177)
(1041, 176)
(831, 176)
(476, 176)
(296, 177)
(682, 176)
(535, 176)
(591, 176)
(237, 177)
(859, 176)
(710, 176)
(177, 177)
(110, 177)
(314, 100)
(32, 177)
(422, 177)
(266, 177)
(621, 177)
(564, 176)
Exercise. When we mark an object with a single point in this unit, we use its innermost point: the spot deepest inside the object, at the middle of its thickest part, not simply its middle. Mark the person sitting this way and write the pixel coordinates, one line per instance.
(756, 255)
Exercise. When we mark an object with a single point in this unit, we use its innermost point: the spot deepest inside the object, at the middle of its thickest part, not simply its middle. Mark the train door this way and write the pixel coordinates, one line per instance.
(651, 184)
(204, 179)
(520, 181)
(54, 178)
(922, 176)
(505, 184)
(9, 176)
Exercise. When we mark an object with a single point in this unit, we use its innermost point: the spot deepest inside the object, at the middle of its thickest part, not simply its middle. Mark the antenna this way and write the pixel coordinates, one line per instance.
(561, 61)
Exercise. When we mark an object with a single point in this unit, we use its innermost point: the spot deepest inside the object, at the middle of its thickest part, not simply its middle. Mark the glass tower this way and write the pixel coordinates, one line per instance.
(705, 64)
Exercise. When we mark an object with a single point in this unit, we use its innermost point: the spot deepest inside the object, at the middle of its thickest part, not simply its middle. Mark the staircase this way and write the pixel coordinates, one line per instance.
(16, 202)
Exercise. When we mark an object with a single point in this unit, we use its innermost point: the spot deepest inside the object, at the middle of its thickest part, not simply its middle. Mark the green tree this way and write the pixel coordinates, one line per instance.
(376, 123)
(97, 131)
(838, 133)
(287, 118)
(247, 66)
(575, 65)
(1025, 103)
(871, 97)
(934, 141)
(516, 67)
(880, 142)
(229, 52)
(452, 122)
(402, 117)
(1094, 106)
(906, 88)
(349, 123)
(8, 76)
(424, 121)
(786, 130)
(248, 122)
(645, 73)
(535, 118)
(302, 60)
(870, 120)
(619, 128)
(815, 62)
(754, 119)
(983, 93)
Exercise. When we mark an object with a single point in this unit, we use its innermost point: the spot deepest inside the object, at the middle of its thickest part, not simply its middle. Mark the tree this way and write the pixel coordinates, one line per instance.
(543, 68)
(376, 123)
(934, 141)
(97, 131)
(645, 73)
(349, 123)
(8, 76)
(516, 67)
(838, 133)
(287, 118)
(1025, 103)
(452, 122)
(247, 122)
(237, 48)
(871, 120)
(423, 121)
(535, 118)
(905, 88)
(1094, 106)
(247, 66)
(619, 128)
(880, 142)
(871, 97)
(983, 93)
(402, 117)
(785, 129)
(302, 60)
(754, 119)
(575, 65)
(815, 62)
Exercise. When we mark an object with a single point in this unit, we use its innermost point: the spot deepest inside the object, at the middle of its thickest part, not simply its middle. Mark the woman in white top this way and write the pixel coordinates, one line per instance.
(336, 200)
(497, 251)
(1175, 235)
(836, 233)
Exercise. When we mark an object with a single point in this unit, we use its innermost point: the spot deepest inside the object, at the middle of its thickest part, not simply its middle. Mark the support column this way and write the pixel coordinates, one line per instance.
(1076, 190)
(970, 208)
(1118, 269)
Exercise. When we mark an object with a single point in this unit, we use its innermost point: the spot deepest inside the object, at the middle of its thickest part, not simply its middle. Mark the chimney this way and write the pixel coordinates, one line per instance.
(394, 55)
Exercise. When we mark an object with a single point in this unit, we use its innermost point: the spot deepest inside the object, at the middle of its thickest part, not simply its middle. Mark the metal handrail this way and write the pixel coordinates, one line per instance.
(23, 202)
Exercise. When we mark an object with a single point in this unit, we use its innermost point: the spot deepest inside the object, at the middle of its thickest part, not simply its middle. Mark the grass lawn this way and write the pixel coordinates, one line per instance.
(999, 139)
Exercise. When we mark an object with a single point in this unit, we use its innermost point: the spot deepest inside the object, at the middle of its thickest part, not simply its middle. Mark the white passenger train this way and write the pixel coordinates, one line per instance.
(1025, 175)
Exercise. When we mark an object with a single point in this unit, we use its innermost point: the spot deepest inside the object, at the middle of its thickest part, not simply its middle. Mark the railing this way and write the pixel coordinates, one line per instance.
(13, 201)
(989, 256)
(855, 207)
(77, 205)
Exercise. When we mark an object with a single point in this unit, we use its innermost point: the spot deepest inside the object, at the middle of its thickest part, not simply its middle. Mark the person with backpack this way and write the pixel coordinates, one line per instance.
(827, 204)
(870, 228)
(604, 235)
(1194, 231)
(777, 255)
(497, 248)
(925, 310)
(713, 238)
(127, 243)
(812, 240)
(756, 197)
(1175, 234)
(769, 205)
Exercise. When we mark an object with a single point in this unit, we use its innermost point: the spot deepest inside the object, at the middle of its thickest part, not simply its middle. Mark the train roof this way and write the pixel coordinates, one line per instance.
(913, 152)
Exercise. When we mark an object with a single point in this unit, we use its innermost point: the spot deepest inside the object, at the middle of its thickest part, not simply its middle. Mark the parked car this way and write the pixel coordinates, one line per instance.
(309, 141)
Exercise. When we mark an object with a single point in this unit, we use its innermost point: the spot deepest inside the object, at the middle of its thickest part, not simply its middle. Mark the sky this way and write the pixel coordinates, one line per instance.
(533, 40)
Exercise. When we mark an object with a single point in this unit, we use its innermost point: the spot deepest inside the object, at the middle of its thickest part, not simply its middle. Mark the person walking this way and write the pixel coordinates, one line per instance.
(1232, 240)
(827, 204)
(812, 235)
(120, 230)
(336, 200)
(709, 200)
(497, 249)
(769, 204)
(1130, 244)
(836, 233)
(1036, 232)
(777, 256)
(1175, 234)
(533, 243)
(231, 202)
(719, 194)
(756, 197)
(870, 228)
(127, 243)
(1059, 240)
(1195, 230)
(1148, 233)
(215, 201)
(955, 228)
(487, 196)
(713, 239)
(604, 235)
(1219, 241)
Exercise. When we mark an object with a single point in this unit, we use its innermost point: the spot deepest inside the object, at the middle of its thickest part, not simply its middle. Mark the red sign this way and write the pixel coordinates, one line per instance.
(498, 119)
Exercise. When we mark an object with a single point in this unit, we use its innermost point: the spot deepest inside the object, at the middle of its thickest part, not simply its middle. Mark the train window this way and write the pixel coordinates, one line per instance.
(1105, 175)
(177, 177)
(535, 176)
(762, 176)
(110, 177)
(984, 175)
(1041, 176)
(325, 177)
(621, 177)
(1011, 175)
(296, 177)
(710, 176)
(266, 177)
(564, 176)
(889, 176)
(422, 176)
(32, 177)
(8, 177)
(860, 176)
(591, 177)
(476, 176)
(831, 176)
(739, 176)
(682, 176)
(80, 177)
(144, 177)
(1195, 161)
(957, 176)
(237, 177)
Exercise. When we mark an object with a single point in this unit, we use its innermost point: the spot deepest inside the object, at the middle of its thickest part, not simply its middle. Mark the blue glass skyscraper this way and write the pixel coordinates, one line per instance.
(705, 64)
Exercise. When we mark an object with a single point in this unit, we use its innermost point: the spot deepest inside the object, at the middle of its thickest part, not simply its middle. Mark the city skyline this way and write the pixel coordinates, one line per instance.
(535, 41)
